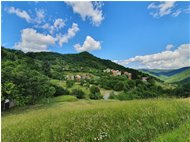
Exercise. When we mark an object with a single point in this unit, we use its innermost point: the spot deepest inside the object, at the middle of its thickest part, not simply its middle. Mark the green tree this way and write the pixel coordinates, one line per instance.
(95, 93)
(119, 86)
(69, 83)
(78, 93)
(50, 92)
(46, 66)
(9, 91)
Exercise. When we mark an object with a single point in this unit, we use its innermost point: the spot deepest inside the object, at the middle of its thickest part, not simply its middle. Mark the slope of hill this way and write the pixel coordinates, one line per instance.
(27, 77)
(170, 76)
(83, 61)
(108, 121)
(179, 77)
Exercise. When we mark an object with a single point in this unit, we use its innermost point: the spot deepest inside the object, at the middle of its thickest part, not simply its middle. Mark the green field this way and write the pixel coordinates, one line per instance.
(157, 120)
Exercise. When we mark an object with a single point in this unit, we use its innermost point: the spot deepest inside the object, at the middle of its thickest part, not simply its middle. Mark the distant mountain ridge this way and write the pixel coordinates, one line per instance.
(170, 76)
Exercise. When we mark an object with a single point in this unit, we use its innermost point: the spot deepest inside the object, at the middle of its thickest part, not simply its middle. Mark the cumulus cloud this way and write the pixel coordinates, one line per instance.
(32, 41)
(169, 46)
(88, 10)
(162, 8)
(88, 45)
(180, 57)
(20, 13)
(71, 32)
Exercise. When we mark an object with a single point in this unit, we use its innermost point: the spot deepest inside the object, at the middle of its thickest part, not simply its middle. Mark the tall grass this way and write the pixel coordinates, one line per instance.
(110, 121)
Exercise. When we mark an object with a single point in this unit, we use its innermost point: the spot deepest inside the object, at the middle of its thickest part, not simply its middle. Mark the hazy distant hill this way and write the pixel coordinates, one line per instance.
(171, 76)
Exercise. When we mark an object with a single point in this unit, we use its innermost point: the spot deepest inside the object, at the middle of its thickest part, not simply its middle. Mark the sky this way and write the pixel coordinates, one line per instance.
(133, 34)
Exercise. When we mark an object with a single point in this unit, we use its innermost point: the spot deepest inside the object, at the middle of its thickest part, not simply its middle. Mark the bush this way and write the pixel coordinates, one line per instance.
(131, 83)
(112, 95)
(69, 83)
(94, 89)
(119, 86)
(95, 93)
(127, 96)
(95, 96)
(78, 93)
(182, 90)
(60, 91)
(148, 94)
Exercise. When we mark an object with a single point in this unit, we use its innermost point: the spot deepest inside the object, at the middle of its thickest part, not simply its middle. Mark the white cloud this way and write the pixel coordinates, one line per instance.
(48, 27)
(176, 13)
(169, 46)
(88, 45)
(70, 34)
(20, 13)
(91, 10)
(59, 23)
(162, 9)
(32, 41)
(40, 13)
(178, 58)
(40, 16)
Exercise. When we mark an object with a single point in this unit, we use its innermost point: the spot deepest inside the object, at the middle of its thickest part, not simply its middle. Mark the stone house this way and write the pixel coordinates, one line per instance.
(129, 75)
(116, 72)
(107, 70)
(144, 79)
(70, 77)
(78, 77)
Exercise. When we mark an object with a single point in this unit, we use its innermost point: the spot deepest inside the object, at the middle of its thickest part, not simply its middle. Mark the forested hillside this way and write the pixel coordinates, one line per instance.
(30, 77)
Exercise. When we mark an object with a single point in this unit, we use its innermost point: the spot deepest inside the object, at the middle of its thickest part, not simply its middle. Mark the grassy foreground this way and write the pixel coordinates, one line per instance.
(111, 121)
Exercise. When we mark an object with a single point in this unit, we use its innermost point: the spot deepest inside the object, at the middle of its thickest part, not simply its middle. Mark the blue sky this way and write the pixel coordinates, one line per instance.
(134, 34)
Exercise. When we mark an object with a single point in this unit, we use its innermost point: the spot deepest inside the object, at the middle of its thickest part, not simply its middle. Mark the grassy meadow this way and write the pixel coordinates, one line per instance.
(152, 120)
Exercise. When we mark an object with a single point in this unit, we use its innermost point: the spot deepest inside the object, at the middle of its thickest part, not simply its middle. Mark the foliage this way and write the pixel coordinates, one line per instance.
(182, 90)
(95, 93)
(26, 77)
(119, 86)
(94, 89)
(69, 83)
(78, 93)
(60, 91)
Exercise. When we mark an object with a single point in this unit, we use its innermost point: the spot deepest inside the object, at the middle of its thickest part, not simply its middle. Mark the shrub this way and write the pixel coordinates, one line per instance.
(78, 93)
(95, 93)
(119, 86)
(112, 95)
(95, 96)
(94, 89)
(69, 83)
(182, 90)
(127, 96)
(60, 91)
